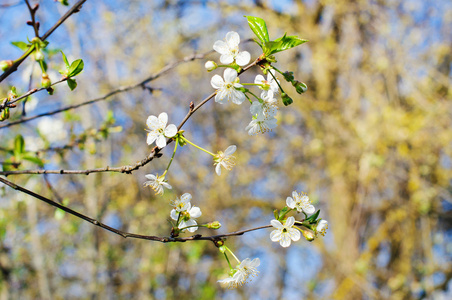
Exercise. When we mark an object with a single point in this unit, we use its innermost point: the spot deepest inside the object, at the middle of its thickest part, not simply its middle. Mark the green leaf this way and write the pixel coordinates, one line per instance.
(21, 45)
(72, 84)
(313, 218)
(65, 59)
(75, 68)
(282, 44)
(32, 158)
(259, 28)
(19, 146)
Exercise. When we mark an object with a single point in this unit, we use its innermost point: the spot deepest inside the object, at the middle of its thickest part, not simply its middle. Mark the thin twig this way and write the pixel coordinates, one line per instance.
(124, 234)
(74, 9)
(33, 22)
(108, 95)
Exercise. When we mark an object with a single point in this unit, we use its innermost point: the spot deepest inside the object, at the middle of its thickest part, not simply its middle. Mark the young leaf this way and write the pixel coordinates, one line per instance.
(75, 68)
(282, 44)
(72, 84)
(36, 160)
(313, 217)
(259, 28)
(21, 45)
(65, 59)
(19, 145)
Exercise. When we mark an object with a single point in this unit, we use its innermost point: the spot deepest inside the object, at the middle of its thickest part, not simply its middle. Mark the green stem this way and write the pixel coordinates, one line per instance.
(276, 81)
(229, 263)
(202, 149)
(256, 84)
(172, 157)
(259, 99)
(232, 253)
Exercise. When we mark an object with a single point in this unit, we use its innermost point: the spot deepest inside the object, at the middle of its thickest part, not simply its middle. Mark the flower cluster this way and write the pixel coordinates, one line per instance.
(184, 214)
(289, 230)
(229, 88)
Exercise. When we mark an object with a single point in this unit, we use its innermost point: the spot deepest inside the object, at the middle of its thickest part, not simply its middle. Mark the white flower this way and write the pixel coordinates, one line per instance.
(261, 124)
(182, 204)
(229, 50)
(186, 214)
(227, 88)
(157, 183)
(284, 233)
(301, 202)
(267, 108)
(210, 65)
(322, 226)
(246, 268)
(269, 86)
(225, 160)
(159, 131)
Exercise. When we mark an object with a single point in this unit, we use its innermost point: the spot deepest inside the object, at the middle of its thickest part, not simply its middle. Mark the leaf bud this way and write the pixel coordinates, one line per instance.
(210, 66)
(5, 65)
(5, 114)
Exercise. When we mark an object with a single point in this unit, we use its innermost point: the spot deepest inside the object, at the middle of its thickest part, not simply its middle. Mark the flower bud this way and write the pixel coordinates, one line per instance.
(308, 235)
(210, 66)
(39, 55)
(300, 86)
(45, 81)
(5, 65)
(214, 225)
(5, 114)
(286, 99)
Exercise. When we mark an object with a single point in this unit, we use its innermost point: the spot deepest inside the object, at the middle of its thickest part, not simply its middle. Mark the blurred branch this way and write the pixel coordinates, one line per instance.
(130, 168)
(8, 5)
(141, 84)
(17, 63)
(196, 237)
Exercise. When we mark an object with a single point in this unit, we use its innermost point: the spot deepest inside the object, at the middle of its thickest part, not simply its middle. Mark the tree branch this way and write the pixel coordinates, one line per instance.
(124, 234)
(17, 63)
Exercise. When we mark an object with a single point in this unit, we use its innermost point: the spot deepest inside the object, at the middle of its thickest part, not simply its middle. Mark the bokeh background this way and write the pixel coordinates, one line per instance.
(370, 142)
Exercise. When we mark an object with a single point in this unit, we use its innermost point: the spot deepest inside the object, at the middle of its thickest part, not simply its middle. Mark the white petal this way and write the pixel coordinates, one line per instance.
(152, 136)
(276, 224)
(309, 209)
(167, 185)
(170, 130)
(186, 197)
(238, 97)
(230, 75)
(290, 202)
(191, 223)
(295, 195)
(195, 212)
(163, 118)
(285, 241)
(275, 235)
(243, 58)
(151, 176)
(221, 47)
(255, 263)
(152, 122)
(218, 169)
(217, 82)
(259, 79)
(226, 59)
(174, 214)
(232, 39)
(161, 141)
(230, 150)
(294, 235)
(289, 222)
